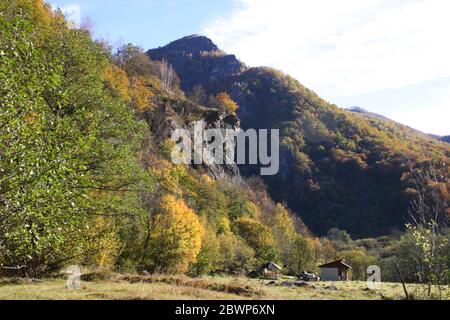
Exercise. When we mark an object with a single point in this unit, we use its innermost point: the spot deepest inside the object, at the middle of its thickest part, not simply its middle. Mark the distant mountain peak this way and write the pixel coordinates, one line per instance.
(446, 139)
(193, 44)
(358, 109)
(198, 61)
(194, 36)
(361, 110)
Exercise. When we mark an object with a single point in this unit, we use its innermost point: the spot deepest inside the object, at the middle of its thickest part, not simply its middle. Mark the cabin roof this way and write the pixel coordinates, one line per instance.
(336, 264)
(271, 265)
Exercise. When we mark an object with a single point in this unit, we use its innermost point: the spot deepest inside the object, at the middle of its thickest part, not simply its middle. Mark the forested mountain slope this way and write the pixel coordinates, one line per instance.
(338, 168)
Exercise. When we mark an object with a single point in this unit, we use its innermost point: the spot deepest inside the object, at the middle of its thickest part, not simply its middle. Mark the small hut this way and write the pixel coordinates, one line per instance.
(271, 270)
(335, 271)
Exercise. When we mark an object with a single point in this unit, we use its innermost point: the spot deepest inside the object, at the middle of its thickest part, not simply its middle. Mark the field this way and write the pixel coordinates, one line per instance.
(118, 287)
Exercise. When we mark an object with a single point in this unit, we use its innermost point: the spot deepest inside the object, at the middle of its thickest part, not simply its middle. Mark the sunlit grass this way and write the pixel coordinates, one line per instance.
(206, 288)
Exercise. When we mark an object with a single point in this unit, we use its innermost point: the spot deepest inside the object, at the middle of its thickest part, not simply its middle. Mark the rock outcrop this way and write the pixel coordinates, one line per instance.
(175, 113)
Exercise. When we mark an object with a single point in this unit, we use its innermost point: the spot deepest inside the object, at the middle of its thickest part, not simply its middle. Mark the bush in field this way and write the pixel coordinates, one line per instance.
(359, 260)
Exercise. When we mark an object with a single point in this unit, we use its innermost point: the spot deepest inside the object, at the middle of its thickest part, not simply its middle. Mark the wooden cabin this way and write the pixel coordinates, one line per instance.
(335, 271)
(271, 270)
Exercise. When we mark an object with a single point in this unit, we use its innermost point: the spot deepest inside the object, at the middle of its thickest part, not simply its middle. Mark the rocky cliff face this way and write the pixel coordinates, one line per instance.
(175, 113)
(219, 120)
(198, 62)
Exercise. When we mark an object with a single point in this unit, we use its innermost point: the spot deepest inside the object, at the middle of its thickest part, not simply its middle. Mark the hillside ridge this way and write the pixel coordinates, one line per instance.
(339, 168)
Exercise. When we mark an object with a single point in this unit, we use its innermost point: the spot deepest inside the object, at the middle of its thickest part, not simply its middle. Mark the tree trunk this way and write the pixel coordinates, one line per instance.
(403, 281)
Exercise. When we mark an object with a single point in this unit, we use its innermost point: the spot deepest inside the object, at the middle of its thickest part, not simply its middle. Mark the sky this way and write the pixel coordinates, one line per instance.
(148, 23)
(389, 57)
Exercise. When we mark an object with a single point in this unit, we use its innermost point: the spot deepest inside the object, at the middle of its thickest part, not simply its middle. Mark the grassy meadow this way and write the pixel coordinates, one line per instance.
(133, 287)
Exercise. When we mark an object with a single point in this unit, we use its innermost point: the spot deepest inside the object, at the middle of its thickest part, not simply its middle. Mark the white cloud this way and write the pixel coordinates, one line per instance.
(342, 48)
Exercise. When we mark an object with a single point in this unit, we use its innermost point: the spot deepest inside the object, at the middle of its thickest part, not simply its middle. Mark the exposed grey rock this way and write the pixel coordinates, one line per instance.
(168, 117)
(331, 288)
(298, 284)
(287, 284)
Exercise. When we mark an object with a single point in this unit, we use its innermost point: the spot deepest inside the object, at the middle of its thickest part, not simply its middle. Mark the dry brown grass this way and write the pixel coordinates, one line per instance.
(234, 287)
(97, 286)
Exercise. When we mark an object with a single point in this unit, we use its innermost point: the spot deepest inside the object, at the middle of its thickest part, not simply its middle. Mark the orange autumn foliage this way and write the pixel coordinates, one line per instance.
(117, 81)
(135, 90)
(141, 94)
(226, 103)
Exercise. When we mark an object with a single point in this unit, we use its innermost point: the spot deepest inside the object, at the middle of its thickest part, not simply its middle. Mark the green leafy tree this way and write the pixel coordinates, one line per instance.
(68, 148)
(302, 256)
(259, 238)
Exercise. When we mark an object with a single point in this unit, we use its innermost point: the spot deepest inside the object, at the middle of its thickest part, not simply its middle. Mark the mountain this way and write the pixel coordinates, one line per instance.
(198, 61)
(86, 172)
(367, 113)
(379, 116)
(440, 138)
(400, 126)
(339, 168)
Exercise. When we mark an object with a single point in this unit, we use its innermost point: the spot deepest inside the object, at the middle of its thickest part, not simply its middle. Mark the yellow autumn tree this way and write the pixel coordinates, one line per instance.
(141, 94)
(176, 239)
(104, 244)
(283, 229)
(135, 90)
(226, 104)
(117, 81)
(169, 177)
(283, 223)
